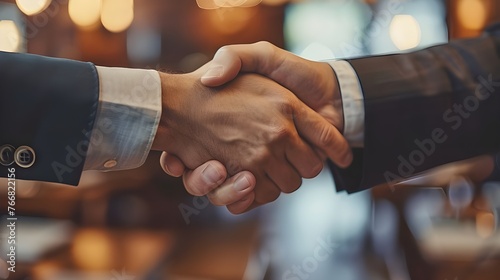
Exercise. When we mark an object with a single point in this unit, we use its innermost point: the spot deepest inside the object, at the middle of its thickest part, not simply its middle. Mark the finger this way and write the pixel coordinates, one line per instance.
(266, 190)
(244, 205)
(320, 154)
(304, 159)
(205, 178)
(233, 189)
(323, 135)
(172, 165)
(286, 178)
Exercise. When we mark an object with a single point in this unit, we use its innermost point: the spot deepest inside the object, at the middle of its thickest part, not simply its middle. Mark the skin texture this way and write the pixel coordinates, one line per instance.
(249, 125)
(314, 83)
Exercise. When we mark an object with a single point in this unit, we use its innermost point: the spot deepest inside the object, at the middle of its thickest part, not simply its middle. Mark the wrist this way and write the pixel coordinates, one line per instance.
(171, 88)
(350, 95)
(337, 102)
(335, 112)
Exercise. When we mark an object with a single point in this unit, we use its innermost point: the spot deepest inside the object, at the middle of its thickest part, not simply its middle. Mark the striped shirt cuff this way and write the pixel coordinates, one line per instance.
(127, 119)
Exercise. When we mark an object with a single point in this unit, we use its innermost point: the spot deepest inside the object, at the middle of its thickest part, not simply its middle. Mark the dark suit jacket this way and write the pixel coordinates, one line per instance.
(425, 109)
(49, 105)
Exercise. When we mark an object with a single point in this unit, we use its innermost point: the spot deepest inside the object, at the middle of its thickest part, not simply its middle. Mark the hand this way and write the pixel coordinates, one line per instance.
(313, 82)
(249, 124)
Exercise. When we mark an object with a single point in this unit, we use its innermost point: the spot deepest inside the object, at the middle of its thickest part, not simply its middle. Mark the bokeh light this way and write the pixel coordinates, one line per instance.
(317, 51)
(472, 14)
(93, 250)
(85, 13)
(334, 25)
(460, 193)
(274, 2)
(143, 44)
(33, 7)
(117, 15)
(485, 224)
(207, 4)
(236, 3)
(10, 37)
(215, 4)
(405, 32)
(231, 20)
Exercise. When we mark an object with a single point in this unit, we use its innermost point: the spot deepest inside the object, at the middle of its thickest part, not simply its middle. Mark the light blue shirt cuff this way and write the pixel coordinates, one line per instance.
(352, 102)
(127, 119)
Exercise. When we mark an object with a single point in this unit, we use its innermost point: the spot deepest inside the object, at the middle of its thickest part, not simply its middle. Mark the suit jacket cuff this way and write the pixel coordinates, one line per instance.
(127, 118)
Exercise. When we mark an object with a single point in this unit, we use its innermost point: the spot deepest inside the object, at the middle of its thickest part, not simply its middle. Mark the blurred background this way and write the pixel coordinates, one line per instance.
(141, 224)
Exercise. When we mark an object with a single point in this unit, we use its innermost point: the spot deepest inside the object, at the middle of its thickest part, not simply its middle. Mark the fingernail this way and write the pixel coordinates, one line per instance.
(211, 175)
(214, 72)
(241, 184)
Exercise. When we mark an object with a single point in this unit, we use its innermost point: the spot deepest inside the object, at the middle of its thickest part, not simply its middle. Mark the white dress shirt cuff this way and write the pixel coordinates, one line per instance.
(127, 118)
(352, 102)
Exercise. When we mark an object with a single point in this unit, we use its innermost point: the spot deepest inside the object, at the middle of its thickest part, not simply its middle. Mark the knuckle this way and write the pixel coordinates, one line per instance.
(265, 46)
(268, 197)
(259, 156)
(326, 137)
(291, 187)
(268, 53)
(281, 133)
(286, 108)
(215, 199)
(234, 167)
(274, 197)
(224, 49)
(191, 189)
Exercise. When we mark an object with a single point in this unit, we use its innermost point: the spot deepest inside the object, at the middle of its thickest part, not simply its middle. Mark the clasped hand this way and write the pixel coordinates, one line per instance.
(223, 120)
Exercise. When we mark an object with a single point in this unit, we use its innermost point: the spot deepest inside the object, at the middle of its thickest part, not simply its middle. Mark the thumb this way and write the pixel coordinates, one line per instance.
(224, 67)
(172, 165)
(228, 61)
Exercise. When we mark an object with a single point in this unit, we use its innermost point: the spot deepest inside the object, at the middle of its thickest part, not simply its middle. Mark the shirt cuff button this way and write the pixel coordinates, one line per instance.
(110, 163)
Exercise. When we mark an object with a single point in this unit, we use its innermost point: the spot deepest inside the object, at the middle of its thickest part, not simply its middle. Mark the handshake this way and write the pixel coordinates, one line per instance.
(250, 124)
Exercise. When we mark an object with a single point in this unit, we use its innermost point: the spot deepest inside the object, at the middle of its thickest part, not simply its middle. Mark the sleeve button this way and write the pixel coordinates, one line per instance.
(110, 163)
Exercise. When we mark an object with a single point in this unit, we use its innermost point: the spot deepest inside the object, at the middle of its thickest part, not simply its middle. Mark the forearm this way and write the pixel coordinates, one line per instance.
(428, 108)
(50, 106)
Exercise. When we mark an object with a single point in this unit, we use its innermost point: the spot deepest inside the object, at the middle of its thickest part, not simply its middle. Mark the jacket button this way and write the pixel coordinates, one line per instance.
(24, 156)
(7, 155)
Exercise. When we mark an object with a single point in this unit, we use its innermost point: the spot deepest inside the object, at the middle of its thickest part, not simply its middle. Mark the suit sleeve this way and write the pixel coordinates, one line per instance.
(425, 109)
(50, 106)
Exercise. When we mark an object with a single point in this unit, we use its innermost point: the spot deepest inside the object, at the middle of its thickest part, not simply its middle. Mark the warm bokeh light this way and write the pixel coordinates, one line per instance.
(10, 37)
(206, 4)
(215, 4)
(405, 32)
(274, 2)
(472, 14)
(85, 13)
(236, 3)
(32, 7)
(485, 224)
(117, 15)
(231, 20)
(93, 250)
